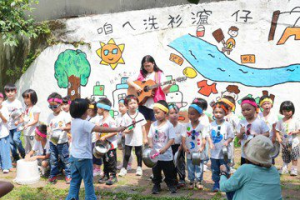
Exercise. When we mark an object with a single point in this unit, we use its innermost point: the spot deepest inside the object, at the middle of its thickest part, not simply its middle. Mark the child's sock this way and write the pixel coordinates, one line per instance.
(285, 165)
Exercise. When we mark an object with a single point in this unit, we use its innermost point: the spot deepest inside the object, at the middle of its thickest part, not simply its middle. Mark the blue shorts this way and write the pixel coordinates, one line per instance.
(147, 112)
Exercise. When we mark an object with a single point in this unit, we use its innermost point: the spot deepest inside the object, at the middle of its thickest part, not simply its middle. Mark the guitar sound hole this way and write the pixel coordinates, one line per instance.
(146, 89)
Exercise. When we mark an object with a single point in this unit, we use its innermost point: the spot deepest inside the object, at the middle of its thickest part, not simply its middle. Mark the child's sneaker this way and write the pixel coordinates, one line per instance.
(123, 172)
(181, 183)
(5, 171)
(53, 179)
(216, 187)
(129, 167)
(112, 180)
(294, 172)
(191, 185)
(139, 171)
(172, 189)
(199, 186)
(156, 189)
(103, 179)
(283, 171)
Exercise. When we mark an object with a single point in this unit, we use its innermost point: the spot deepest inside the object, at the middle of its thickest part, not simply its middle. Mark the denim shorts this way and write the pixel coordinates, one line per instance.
(147, 112)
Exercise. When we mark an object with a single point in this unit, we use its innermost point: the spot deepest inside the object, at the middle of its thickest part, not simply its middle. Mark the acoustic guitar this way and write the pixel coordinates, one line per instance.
(148, 87)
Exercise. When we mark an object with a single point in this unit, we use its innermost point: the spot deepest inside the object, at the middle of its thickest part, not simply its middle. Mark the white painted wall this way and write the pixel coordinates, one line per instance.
(252, 39)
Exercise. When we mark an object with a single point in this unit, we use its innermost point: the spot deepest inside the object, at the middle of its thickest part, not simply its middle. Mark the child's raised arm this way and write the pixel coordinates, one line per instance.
(102, 129)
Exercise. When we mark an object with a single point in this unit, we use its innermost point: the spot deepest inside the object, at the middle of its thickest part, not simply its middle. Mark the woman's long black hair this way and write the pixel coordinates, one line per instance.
(148, 58)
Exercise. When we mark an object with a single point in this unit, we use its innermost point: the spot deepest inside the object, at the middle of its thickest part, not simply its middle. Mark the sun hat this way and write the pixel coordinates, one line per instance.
(258, 151)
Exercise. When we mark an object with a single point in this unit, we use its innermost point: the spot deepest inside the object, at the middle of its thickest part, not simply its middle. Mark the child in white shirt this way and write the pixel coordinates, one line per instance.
(161, 137)
(110, 158)
(221, 135)
(251, 125)
(287, 131)
(14, 107)
(234, 121)
(121, 136)
(30, 118)
(95, 118)
(59, 123)
(266, 103)
(135, 136)
(193, 140)
(5, 160)
(41, 149)
(177, 146)
(81, 151)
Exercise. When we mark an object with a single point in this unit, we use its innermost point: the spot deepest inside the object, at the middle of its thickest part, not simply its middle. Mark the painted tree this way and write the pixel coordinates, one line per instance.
(72, 70)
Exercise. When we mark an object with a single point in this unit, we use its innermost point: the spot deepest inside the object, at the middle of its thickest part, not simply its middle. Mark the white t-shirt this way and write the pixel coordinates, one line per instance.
(135, 137)
(81, 131)
(194, 137)
(95, 120)
(14, 106)
(59, 121)
(161, 135)
(109, 122)
(149, 103)
(28, 118)
(3, 126)
(219, 134)
(39, 149)
(258, 127)
(179, 131)
(234, 122)
(272, 119)
(285, 128)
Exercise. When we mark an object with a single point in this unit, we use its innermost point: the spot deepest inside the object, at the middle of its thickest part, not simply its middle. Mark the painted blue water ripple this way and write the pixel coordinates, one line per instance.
(214, 65)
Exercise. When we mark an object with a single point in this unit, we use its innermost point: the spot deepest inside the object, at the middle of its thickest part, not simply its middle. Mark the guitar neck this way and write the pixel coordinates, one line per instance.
(160, 84)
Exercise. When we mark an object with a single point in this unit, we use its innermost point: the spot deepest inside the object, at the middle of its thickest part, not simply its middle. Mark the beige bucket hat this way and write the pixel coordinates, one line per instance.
(258, 151)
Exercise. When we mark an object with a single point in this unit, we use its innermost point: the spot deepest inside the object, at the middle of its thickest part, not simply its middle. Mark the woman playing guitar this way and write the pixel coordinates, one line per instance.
(149, 71)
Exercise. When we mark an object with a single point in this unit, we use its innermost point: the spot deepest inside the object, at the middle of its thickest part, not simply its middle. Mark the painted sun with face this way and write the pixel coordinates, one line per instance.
(111, 54)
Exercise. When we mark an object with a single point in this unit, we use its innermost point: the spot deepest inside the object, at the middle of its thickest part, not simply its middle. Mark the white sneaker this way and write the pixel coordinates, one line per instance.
(294, 172)
(123, 172)
(283, 171)
(139, 171)
(5, 171)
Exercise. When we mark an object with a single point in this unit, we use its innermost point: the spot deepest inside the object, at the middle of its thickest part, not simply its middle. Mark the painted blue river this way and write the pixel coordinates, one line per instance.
(214, 65)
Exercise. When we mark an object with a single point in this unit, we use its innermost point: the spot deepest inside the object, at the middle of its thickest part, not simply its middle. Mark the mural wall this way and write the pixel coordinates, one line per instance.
(238, 48)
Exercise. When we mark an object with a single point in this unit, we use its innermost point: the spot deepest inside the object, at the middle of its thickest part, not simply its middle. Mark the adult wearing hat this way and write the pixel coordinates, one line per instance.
(257, 179)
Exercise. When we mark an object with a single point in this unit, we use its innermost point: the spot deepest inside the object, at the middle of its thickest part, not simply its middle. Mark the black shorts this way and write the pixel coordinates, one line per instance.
(147, 112)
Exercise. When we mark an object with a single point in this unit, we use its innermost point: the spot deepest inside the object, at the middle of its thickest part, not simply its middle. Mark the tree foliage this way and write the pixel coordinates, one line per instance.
(72, 62)
(15, 22)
